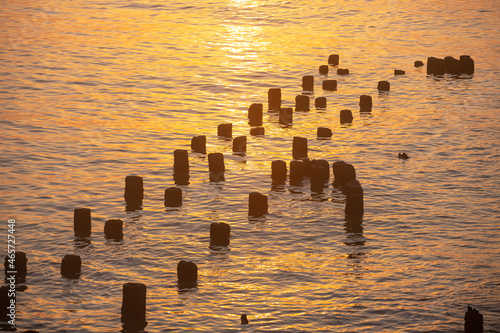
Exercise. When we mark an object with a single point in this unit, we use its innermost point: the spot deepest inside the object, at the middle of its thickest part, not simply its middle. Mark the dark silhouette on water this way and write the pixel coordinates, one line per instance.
(320, 102)
(199, 144)
(403, 156)
(133, 312)
(82, 224)
(323, 69)
(399, 72)
(134, 192)
(286, 116)
(257, 131)
(257, 204)
(219, 234)
(343, 173)
(384, 86)
(342, 71)
(113, 229)
(255, 114)
(354, 206)
(244, 319)
(71, 266)
(333, 59)
(274, 99)
(329, 85)
(181, 167)
(323, 133)
(216, 167)
(225, 130)
(473, 321)
(418, 63)
(173, 197)
(17, 264)
(296, 173)
(346, 116)
(302, 103)
(365, 103)
(187, 274)
(308, 83)
(299, 147)
(278, 172)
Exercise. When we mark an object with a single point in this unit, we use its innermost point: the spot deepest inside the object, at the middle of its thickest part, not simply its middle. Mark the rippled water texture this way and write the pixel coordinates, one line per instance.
(93, 91)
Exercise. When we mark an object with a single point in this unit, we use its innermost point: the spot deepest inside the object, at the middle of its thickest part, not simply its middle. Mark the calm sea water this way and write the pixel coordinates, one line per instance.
(93, 91)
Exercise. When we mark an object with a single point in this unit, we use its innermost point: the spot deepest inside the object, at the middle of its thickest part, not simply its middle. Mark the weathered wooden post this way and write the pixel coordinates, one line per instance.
(173, 197)
(181, 167)
(255, 114)
(134, 306)
(274, 99)
(71, 266)
(216, 167)
(257, 204)
(199, 144)
(299, 147)
(82, 224)
(113, 229)
(134, 191)
(219, 234)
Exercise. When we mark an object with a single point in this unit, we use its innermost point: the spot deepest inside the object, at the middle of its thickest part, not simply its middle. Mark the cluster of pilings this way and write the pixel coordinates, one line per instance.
(133, 310)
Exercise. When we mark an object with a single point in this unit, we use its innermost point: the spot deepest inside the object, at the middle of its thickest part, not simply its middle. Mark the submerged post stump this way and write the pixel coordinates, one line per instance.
(326, 168)
(299, 147)
(307, 166)
(473, 321)
(199, 144)
(323, 69)
(274, 99)
(71, 266)
(173, 197)
(16, 262)
(216, 167)
(345, 116)
(330, 85)
(302, 103)
(278, 172)
(219, 234)
(342, 71)
(225, 130)
(418, 63)
(296, 173)
(365, 103)
(333, 59)
(244, 319)
(113, 229)
(323, 133)
(286, 116)
(187, 274)
(466, 64)
(181, 167)
(435, 66)
(257, 131)
(134, 305)
(317, 178)
(399, 72)
(452, 65)
(308, 83)
(320, 102)
(354, 208)
(82, 224)
(134, 191)
(384, 86)
(343, 173)
(257, 204)
(240, 145)
(255, 114)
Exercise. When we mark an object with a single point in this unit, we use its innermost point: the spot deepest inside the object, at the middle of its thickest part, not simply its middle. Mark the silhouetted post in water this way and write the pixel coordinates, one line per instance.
(323, 69)
(384, 86)
(16, 262)
(306, 162)
(296, 173)
(274, 99)
(323, 132)
(225, 130)
(320, 102)
(333, 59)
(466, 64)
(240, 145)
(342, 71)
(134, 191)
(299, 148)
(255, 114)
(71, 266)
(199, 144)
(317, 178)
(473, 321)
(257, 131)
(343, 173)
(418, 63)
(219, 234)
(181, 167)
(173, 197)
(286, 116)
(134, 306)
(452, 65)
(365, 103)
(399, 72)
(403, 156)
(216, 167)
(435, 66)
(301, 103)
(354, 200)
(257, 204)
(113, 229)
(330, 85)
(308, 83)
(187, 274)
(278, 172)
(244, 319)
(82, 224)
(345, 116)
(326, 168)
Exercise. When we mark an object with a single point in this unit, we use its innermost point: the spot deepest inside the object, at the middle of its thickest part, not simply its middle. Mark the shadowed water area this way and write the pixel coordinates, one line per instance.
(94, 91)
